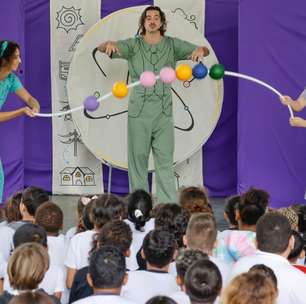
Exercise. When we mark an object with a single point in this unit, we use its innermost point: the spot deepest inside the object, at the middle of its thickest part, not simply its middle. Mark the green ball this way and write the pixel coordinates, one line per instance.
(216, 71)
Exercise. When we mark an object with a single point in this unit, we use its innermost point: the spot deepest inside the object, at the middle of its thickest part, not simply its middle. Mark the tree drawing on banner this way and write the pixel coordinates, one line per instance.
(69, 18)
(72, 138)
(191, 19)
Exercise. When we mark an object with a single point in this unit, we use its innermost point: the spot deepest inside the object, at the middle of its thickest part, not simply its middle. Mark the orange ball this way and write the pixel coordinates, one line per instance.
(183, 72)
(120, 89)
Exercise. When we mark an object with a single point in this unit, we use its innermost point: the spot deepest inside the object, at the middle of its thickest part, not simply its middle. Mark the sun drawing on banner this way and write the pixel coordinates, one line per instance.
(69, 18)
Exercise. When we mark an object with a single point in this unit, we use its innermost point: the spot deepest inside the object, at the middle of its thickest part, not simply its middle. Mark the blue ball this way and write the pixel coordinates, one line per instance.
(199, 71)
(91, 103)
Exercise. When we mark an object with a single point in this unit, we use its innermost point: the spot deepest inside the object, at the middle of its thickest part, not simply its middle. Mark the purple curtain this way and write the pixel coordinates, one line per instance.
(271, 154)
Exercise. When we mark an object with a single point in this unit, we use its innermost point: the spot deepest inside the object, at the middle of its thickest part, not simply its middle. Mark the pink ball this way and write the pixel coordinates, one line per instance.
(147, 79)
(167, 75)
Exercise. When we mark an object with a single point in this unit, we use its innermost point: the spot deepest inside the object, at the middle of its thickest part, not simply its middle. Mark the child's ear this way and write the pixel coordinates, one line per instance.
(237, 215)
(89, 280)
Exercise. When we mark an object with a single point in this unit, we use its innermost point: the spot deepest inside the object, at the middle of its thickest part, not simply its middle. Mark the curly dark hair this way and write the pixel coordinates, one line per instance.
(143, 16)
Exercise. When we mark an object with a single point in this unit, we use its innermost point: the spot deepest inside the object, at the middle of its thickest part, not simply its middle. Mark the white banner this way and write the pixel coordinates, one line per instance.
(189, 172)
(75, 169)
(192, 11)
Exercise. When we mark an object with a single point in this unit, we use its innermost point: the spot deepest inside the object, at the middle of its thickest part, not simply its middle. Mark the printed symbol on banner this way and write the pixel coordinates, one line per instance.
(69, 18)
(191, 19)
(64, 69)
(77, 176)
(72, 138)
(66, 107)
(75, 43)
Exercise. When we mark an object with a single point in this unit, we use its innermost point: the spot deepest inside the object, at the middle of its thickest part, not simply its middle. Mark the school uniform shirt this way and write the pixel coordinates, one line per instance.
(78, 250)
(52, 282)
(291, 282)
(223, 267)
(70, 233)
(180, 297)
(142, 285)
(105, 299)
(57, 250)
(2, 266)
(137, 239)
(6, 241)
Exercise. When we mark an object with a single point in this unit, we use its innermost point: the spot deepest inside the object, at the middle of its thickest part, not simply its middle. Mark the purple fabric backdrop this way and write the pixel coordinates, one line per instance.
(272, 47)
(27, 157)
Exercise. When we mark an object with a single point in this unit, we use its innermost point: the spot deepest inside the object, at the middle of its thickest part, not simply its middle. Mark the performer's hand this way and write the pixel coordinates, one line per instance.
(297, 122)
(286, 100)
(109, 48)
(28, 111)
(199, 53)
(36, 107)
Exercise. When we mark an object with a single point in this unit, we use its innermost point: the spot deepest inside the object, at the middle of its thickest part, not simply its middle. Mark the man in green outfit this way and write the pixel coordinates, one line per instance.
(150, 119)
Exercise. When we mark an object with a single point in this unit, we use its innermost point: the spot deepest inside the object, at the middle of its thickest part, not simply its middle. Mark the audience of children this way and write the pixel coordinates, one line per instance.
(138, 252)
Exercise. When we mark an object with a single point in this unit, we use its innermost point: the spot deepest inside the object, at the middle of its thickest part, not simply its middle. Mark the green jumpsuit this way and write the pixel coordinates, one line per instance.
(150, 119)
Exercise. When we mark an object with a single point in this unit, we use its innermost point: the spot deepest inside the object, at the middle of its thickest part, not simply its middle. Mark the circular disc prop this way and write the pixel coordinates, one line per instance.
(106, 138)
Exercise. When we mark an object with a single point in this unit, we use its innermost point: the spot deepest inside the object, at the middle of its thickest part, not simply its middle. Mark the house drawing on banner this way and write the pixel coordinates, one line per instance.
(77, 176)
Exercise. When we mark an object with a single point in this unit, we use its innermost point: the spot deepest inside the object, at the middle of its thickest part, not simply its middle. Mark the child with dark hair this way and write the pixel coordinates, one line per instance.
(161, 300)
(183, 261)
(139, 219)
(158, 251)
(194, 200)
(105, 207)
(53, 281)
(114, 233)
(298, 252)
(84, 202)
(230, 212)
(203, 282)
(275, 241)
(32, 197)
(50, 216)
(173, 218)
(232, 245)
(106, 276)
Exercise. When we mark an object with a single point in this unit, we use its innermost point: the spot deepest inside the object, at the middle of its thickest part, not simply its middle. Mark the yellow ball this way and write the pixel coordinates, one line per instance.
(183, 72)
(120, 89)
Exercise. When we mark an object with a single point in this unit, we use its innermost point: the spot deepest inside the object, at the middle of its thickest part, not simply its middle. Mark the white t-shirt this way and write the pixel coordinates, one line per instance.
(291, 282)
(2, 266)
(70, 233)
(57, 250)
(223, 267)
(142, 285)
(137, 240)
(52, 282)
(78, 250)
(107, 299)
(180, 297)
(6, 241)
